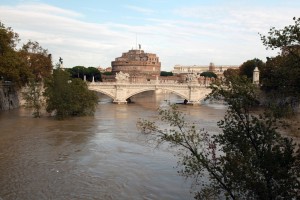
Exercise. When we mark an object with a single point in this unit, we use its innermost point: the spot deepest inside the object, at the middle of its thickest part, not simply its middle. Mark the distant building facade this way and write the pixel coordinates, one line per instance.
(217, 69)
(102, 70)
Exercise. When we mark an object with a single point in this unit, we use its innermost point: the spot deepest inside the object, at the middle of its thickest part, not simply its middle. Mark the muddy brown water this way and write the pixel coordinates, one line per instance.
(98, 157)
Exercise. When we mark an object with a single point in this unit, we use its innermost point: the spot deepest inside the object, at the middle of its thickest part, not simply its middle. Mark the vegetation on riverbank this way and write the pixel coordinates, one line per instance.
(68, 97)
(249, 159)
(31, 67)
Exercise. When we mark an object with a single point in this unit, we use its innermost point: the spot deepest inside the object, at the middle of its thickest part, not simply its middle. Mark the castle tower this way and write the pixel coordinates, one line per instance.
(137, 62)
(255, 76)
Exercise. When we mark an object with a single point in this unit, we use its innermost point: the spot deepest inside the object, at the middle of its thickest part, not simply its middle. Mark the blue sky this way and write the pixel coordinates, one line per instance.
(190, 32)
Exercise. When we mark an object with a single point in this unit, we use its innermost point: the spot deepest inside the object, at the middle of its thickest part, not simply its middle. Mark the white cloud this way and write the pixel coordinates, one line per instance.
(140, 9)
(197, 35)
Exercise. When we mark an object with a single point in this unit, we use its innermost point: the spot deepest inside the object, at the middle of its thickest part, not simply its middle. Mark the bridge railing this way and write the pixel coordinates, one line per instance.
(143, 84)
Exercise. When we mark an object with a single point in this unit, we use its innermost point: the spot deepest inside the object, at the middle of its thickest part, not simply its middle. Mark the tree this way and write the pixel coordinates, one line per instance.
(164, 73)
(209, 74)
(248, 67)
(77, 72)
(18, 66)
(36, 59)
(68, 97)
(81, 71)
(281, 75)
(248, 160)
(93, 72)
(11, 66)
(231, 72)
(34, 97)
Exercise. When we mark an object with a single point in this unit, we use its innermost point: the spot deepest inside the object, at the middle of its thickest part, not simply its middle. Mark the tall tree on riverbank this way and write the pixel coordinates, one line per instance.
(281, 75)
(20, 65)
(249, 159)
(33, 96)
(68, 97)
(37, 60)
(11, 66)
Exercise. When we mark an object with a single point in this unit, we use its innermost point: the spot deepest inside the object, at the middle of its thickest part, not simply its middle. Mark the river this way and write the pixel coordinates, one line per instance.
(97, 157)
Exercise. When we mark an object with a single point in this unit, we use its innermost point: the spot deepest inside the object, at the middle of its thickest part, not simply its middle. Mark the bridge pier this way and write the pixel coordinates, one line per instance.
(119, 102)
(193, 102)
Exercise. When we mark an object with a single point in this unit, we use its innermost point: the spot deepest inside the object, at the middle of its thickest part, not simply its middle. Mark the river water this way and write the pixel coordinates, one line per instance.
(97, 157)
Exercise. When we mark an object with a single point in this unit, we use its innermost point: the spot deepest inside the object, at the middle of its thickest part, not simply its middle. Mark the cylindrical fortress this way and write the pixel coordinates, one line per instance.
(137, 62)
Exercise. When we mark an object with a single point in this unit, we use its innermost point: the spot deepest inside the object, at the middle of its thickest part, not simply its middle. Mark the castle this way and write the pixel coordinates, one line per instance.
(137, 63)
(145, 67)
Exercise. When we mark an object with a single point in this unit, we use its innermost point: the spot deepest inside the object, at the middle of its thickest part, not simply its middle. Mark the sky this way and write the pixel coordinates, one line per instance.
(189, 32)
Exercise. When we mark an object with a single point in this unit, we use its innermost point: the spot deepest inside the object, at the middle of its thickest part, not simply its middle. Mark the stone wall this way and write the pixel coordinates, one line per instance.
(9, 97)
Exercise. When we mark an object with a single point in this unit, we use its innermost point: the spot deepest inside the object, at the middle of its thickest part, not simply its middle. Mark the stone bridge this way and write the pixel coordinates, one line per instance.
(120, 92)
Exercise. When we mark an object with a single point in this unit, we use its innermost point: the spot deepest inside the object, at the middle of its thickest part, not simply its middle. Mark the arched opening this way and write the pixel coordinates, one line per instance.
(156, 97)
(103, 98)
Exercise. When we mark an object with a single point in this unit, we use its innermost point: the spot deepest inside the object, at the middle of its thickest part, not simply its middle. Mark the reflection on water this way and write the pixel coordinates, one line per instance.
(98, 157)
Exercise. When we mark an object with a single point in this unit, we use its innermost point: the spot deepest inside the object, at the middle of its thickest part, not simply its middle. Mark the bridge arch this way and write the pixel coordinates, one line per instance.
(103, 92)
(177, 93)
(154, 89)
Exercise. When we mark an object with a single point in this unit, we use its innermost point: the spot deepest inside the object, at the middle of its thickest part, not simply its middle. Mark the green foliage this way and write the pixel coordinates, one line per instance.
(259, 162)
(36, 60)
(248, 160)
(231, 72)
(284, 38)
(68, 97)
(237, 91)
(11, 68)
(34, 97)
(90, 72)
(248, 67)
(164, 73)
(93, 72)
(209, 74)
(18, 66)
(77, 72)
(280, 77)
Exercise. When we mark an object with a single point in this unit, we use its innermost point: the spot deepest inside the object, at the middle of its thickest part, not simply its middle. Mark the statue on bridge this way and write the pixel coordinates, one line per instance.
(122, 77)
(192, 78)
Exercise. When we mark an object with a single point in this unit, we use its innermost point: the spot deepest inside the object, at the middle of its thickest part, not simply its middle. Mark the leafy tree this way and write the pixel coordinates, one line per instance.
(248, 67)
(209, 74)
(18, 66)
(280, 76)
(93, 72)
(164, 73)
(286, 39)
(37, 60)
(90, 72)
(231, 72)
(34, 97)
(11, 66)
(77, 72)
(68, 97)
(248, 160)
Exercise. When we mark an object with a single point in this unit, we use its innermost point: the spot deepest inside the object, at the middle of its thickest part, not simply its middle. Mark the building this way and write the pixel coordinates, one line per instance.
(102, 70)
(217, 69)
(137, 63)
